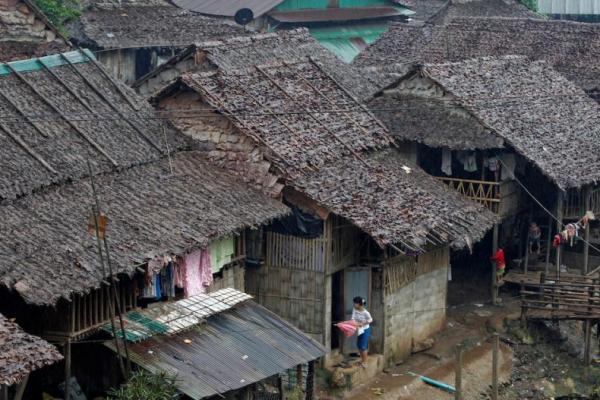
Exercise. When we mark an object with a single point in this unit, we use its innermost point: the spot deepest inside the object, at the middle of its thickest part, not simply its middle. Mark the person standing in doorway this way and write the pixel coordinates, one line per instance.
(535, 234)
(363, 319)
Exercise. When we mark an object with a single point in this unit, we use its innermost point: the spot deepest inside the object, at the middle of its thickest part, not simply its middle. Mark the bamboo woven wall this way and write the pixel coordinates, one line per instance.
(286, 251)
(291, 282)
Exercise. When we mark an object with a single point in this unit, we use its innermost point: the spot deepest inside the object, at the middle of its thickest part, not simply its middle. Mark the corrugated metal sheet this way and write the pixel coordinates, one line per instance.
(335, 14)
(227, 8)
(346, 42)
(234, 349)
(170, 318)
(304, 4)
(574, 7)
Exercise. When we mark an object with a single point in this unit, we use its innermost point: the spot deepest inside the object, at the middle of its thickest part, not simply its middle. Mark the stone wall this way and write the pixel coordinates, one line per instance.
(415, 304)
(224, 144)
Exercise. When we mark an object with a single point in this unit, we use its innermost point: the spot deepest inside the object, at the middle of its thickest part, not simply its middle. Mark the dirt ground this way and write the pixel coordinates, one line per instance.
(542, 361)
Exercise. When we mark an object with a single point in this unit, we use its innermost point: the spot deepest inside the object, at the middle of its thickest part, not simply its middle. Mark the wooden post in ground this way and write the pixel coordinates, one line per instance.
(548, 245)
(3, 392)
(527, 245)
(495, 360)
(311, 382)
(299, 376)
(494, 274)
(21, 388)
(559, 217)
(67, 356)
(458, 373)
(586, 235)
(587, 340)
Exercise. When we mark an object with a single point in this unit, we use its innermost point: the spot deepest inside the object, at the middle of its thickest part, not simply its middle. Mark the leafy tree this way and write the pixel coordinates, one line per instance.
(146, 386)
(59, 11)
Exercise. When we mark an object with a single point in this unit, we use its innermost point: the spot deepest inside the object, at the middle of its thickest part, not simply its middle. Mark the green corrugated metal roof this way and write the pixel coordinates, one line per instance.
(289, 5)
(35, 64)
(344, 41)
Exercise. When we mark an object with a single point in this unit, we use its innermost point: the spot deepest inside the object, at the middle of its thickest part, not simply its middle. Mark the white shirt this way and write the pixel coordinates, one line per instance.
(362, 317)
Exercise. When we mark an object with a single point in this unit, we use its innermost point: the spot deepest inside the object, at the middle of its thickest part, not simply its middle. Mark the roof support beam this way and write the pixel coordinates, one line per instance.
(111, 79)
(21, 113)
(100, 94)
(310, 114)
(27, 149)
(63, 116)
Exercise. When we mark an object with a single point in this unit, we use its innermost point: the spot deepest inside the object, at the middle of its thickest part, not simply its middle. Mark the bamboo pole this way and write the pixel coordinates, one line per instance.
(586, 235)
(458, 373)
(495, 360)
(559, 217)
(67, 369)
(21, 388)
(548, 245)
(494, 274)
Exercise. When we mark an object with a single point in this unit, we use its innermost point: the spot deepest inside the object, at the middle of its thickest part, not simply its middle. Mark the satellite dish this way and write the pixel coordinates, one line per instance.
(243, 16)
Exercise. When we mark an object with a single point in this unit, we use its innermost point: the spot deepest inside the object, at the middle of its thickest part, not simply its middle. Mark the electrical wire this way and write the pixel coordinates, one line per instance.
(543, 207)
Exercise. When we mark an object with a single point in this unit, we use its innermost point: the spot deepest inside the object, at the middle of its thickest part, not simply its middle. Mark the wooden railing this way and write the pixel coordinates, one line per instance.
(575, 203)
(483, 192)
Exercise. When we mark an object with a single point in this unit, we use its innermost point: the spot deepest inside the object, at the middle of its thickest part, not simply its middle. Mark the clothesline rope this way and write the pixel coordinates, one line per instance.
(544, 208)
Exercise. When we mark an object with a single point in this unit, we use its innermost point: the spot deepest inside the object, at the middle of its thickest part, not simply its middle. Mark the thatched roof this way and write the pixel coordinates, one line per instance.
(25, 32)
(21, 353)
(48, 253)
(475, 8)
(544, 117)
(328, 155)
(433, 122)
(241, 52)
(56, 119)
(572, 48)
(45, 195)
(135, 26)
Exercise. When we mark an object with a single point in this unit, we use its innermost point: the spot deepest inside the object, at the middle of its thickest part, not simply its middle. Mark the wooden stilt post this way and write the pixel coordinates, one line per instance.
(311, 382)
(67, 356)
(494, 275)
(586, 235)
(21, 388)
(587, 340)
(458, 373)
(299, 376)
(3, 392)
(548, 246)
(559, 217)
(495, 360)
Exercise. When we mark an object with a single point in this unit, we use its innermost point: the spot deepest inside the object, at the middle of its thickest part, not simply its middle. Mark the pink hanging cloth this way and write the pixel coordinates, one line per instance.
(198, 273)
(348, 328)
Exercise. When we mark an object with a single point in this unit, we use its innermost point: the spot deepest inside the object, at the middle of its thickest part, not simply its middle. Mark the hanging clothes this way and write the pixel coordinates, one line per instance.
(447, 161)
(468, 160)
(509, 162)
(492, 163)
(222, 251)
(198, 273)
(179, 271)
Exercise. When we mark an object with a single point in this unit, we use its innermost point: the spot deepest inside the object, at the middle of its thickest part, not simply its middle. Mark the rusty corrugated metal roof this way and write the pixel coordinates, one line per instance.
(228, 8)
(234, 349)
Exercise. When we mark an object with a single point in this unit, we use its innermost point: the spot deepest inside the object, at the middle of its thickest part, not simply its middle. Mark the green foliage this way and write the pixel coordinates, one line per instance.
(146, 386)
(531, 4)
(59, 11)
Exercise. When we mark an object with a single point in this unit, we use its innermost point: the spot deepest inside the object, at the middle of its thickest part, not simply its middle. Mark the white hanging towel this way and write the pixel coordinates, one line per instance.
(509, 163)
(447, 162)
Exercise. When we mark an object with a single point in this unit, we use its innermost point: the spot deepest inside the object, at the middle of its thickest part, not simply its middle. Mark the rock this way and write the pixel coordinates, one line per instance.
(423, 345)
(338, 378)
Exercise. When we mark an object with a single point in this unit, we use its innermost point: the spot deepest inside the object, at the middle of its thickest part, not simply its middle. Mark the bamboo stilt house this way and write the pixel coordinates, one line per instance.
(357, 203)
